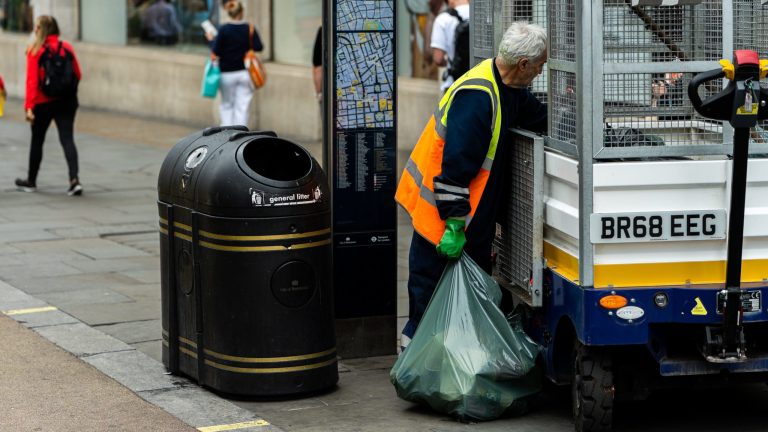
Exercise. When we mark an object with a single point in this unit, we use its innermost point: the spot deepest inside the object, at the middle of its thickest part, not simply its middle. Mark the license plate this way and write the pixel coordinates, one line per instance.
(657, 226)
(750, 301)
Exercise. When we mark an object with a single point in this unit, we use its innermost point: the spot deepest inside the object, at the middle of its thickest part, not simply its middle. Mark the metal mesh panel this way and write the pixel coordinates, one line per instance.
(514, 237)
(634, 34)
(563, 101)
(534, 11)
(750, 26)
(750, 31)
(651, 110)
(488, 26)
(562, 30)
(482, 30)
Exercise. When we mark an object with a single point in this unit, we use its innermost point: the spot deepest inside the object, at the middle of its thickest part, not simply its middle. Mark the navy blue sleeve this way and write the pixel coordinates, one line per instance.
(532, 114)
(467, 140)
(214, 45)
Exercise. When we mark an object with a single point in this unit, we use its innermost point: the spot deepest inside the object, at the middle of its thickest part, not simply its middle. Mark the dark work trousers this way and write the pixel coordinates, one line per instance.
(62, 112)
(425, 267)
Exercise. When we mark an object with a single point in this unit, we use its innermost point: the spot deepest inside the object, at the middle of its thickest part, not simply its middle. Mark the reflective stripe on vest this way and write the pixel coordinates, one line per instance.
(416, 189)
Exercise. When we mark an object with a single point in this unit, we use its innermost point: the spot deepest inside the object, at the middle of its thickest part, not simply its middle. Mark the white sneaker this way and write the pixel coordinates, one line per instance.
(404, 342)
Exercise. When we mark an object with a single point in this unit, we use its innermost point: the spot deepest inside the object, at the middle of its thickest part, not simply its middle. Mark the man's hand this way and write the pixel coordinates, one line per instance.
(453, 240)
(30, 116)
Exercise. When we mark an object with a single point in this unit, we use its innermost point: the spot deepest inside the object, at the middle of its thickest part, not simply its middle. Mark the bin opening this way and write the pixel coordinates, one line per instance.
(277, 159)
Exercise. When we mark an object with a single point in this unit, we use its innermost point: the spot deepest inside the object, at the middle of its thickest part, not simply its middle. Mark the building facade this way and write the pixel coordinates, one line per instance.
(124, 72)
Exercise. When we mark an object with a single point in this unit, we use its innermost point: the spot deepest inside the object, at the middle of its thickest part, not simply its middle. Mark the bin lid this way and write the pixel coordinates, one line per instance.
(236, 173)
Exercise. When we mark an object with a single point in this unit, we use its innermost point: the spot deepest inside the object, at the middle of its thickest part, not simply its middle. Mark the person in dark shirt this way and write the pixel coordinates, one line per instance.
(231, 43)
(159, 23)
(457, 178)
(317, 65)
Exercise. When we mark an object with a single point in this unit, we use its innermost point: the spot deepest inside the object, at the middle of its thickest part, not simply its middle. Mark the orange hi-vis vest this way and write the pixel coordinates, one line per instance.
(416, 191)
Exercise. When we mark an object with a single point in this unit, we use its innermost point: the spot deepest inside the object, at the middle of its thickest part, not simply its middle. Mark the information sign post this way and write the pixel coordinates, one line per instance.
(360, 158)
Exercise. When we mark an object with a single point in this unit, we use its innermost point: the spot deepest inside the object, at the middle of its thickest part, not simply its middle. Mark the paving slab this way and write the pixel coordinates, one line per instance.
(149, 292)
(153, 349)
(89, 231)
(112, 265)
(18, 274)
(91, 296)
(44, 316)
(82, 340)
(34, 282)
(133, 332)
(116, 312)
(203, 409)
(134, 370)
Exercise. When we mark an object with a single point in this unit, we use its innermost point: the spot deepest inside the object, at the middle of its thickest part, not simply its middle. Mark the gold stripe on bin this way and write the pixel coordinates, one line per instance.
(188, 352)
(226, 248)
(269, 370)
(265, 237)
(256, 359)
(183, 236)
(185, 227)
(269, 359)
(187, 342)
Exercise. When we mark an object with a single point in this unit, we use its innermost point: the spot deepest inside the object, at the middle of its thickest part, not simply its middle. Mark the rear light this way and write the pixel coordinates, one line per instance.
(613, 301)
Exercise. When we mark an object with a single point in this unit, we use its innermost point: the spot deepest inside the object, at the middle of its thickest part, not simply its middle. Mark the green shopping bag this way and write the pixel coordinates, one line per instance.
(211, 78)
(466, 359)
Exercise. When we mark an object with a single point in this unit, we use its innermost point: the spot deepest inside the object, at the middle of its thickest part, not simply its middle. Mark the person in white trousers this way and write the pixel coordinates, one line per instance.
(230, 44)
(236, 94)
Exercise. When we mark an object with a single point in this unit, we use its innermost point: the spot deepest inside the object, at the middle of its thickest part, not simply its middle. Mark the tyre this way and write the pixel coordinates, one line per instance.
(592, 389)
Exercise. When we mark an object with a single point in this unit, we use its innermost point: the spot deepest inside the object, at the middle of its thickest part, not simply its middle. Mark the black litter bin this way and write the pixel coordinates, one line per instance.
(245, 244)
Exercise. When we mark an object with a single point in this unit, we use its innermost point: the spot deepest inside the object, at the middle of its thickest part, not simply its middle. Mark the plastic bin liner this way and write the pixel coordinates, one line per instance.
(466, 359)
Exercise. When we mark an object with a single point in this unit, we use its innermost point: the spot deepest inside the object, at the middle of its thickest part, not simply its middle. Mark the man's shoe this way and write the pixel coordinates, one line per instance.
(25, 185)
(75, 188)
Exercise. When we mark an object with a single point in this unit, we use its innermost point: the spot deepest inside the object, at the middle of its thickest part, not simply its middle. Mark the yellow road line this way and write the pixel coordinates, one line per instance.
(233, 426)
(30, 310)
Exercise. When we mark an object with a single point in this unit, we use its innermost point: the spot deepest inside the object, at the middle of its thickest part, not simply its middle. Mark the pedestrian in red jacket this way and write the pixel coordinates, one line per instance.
(53, 74)
(2, 95)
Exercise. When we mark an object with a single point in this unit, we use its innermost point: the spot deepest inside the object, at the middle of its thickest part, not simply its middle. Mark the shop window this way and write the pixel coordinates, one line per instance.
(170, 23)
(16, 16)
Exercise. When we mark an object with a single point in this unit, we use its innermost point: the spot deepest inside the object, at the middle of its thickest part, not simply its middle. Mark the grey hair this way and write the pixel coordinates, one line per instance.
(522, 39)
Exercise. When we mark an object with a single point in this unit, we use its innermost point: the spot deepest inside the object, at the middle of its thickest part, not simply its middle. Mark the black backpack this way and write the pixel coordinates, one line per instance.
(58, 78)
(460, 61)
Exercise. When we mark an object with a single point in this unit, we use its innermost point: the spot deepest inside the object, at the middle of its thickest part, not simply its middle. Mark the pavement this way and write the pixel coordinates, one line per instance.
(80, 322)
(81, 278)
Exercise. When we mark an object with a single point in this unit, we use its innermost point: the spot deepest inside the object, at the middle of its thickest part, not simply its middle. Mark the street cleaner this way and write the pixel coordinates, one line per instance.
(457, 176)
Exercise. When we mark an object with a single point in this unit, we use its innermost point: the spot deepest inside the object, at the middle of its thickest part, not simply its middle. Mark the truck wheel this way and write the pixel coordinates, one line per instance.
(592, 389)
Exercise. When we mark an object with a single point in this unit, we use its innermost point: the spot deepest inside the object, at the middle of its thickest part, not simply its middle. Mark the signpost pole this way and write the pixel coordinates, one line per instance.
(360, 150)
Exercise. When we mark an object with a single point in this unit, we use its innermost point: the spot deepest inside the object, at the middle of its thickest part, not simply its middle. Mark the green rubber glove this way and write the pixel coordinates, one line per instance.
(453, 240)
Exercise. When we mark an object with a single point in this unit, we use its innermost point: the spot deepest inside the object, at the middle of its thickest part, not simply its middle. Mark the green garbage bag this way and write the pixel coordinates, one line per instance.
(465, 359)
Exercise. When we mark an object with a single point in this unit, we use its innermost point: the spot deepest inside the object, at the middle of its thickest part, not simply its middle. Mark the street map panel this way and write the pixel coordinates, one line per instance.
(365, 64)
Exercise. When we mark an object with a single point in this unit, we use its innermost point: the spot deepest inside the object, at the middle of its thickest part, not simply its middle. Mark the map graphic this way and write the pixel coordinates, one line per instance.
(364, 89)
(365, 15)
(365, 64)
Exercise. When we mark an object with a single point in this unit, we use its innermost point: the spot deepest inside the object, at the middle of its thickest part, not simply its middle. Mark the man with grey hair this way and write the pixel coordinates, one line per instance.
(458, 171)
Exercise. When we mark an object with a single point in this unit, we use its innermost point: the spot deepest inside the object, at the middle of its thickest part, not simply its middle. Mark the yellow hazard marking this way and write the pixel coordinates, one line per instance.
(30, 310)
(699, 309)
(652, 274)
(742, 110)
(233, 426)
